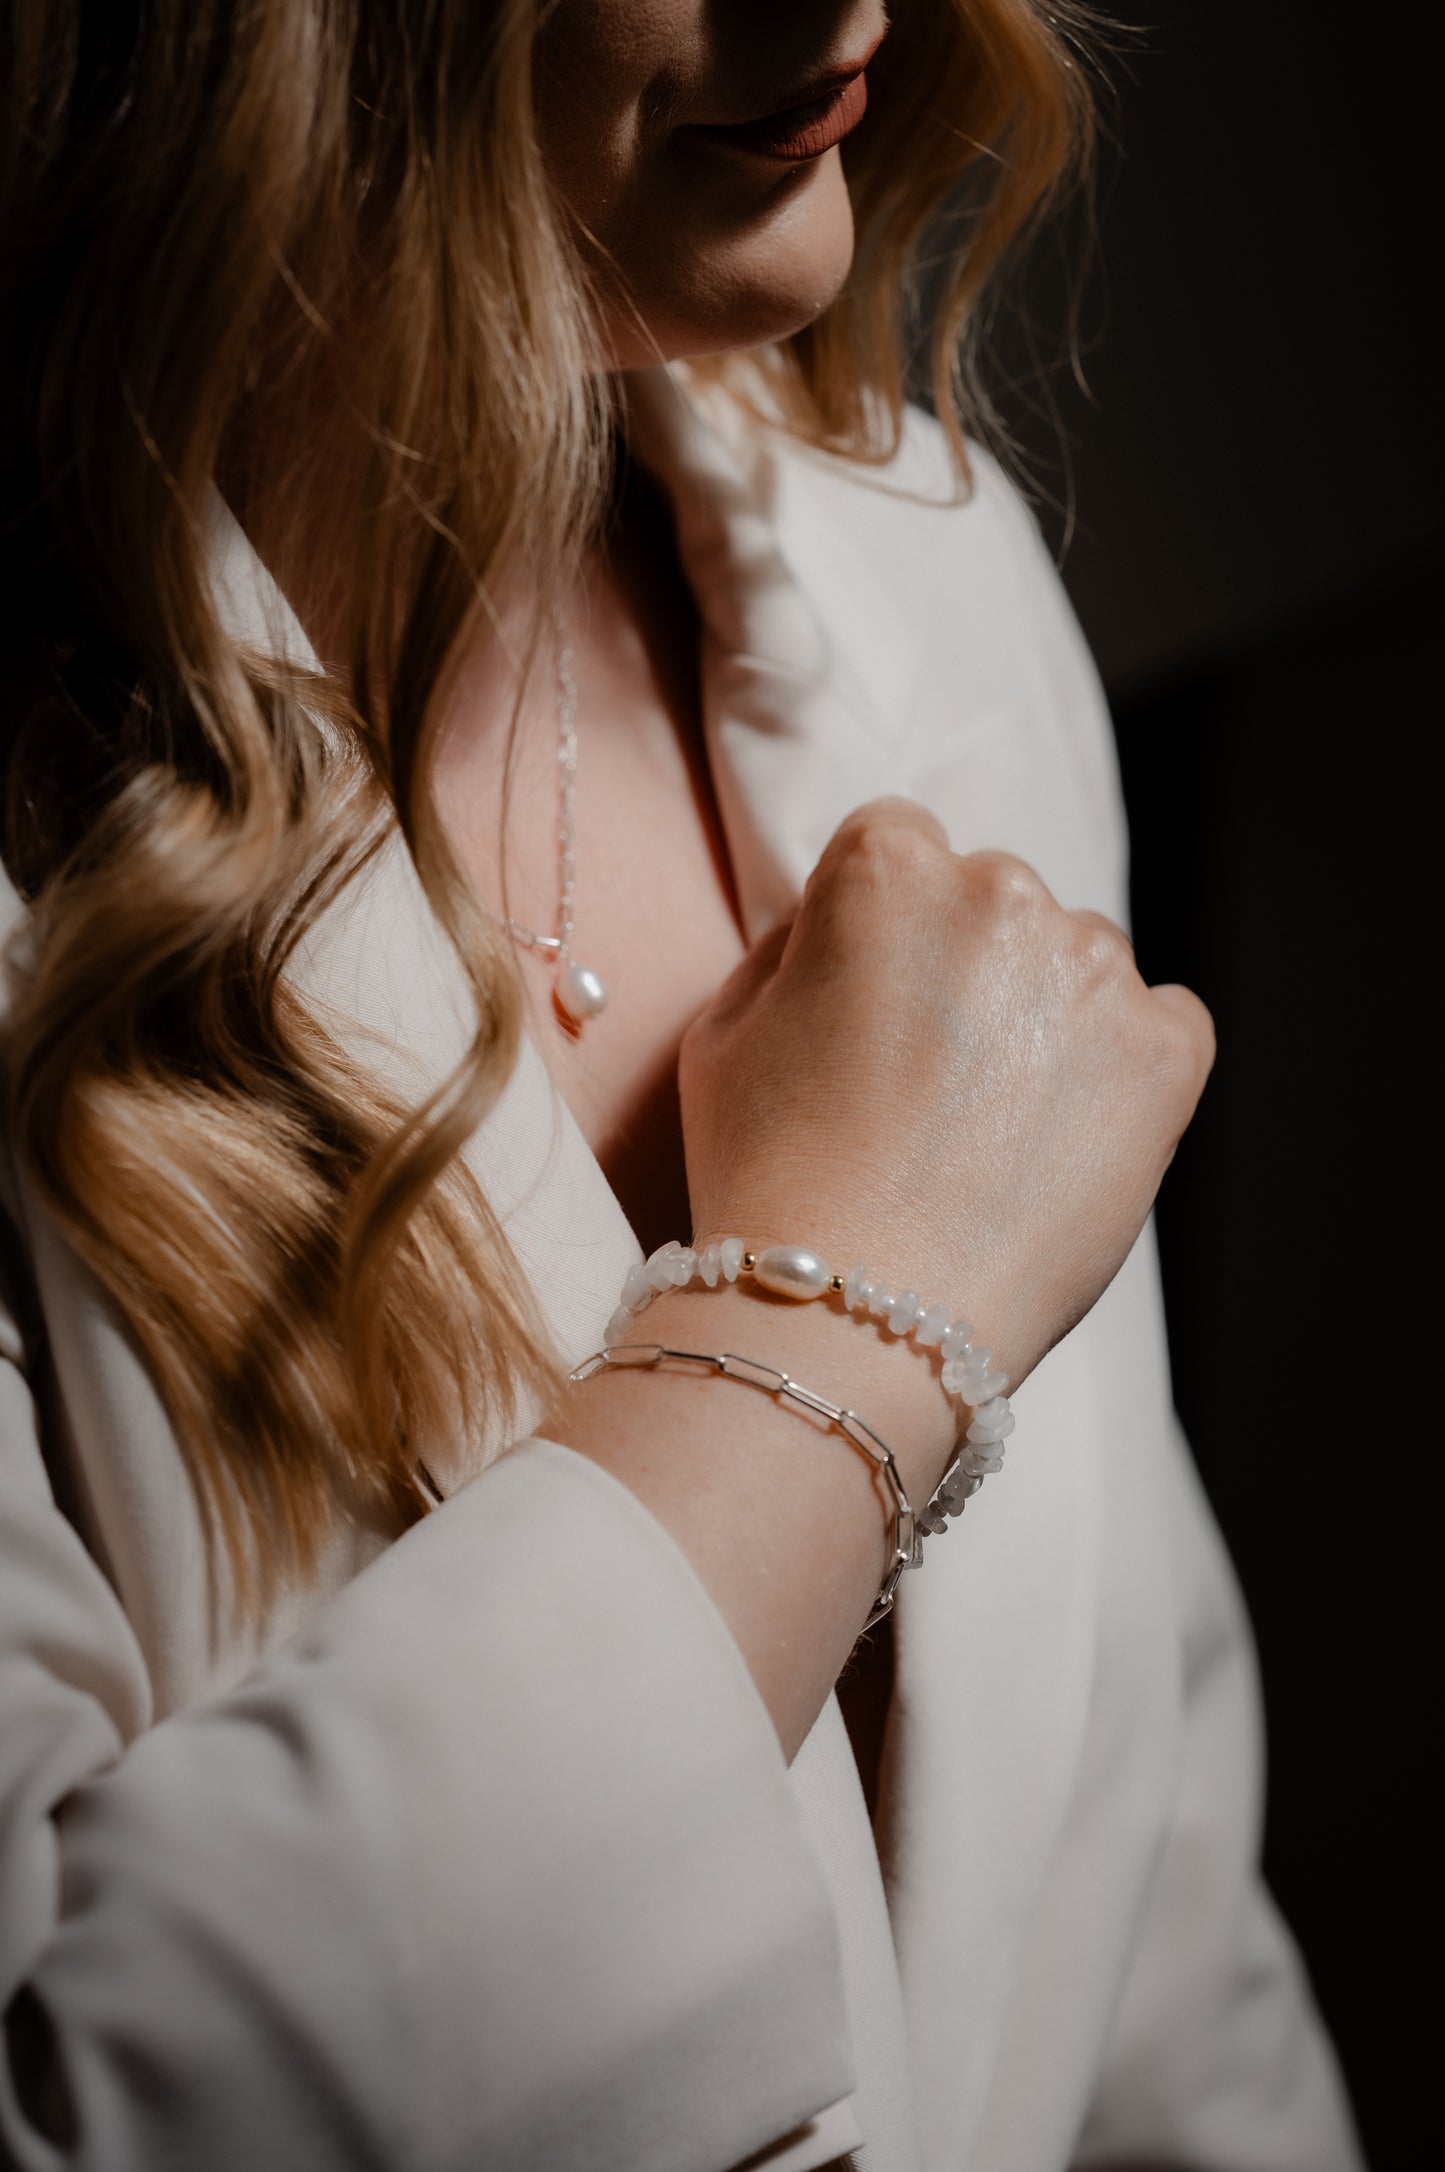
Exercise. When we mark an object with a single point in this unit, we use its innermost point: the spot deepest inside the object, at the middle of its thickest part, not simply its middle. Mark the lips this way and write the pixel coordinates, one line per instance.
(799, 132)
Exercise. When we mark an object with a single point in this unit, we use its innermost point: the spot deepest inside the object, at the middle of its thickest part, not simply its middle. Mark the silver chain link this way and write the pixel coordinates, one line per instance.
(567, 781)
(559, 944)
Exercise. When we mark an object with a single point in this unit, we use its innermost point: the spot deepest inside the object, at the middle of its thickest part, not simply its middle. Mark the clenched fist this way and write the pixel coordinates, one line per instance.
(937, 1068)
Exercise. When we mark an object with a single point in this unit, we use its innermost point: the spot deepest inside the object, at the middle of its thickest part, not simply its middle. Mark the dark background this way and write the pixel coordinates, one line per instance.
(1255, 474)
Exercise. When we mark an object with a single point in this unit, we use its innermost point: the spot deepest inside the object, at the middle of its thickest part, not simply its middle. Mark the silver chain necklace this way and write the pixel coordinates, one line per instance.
(578, 992)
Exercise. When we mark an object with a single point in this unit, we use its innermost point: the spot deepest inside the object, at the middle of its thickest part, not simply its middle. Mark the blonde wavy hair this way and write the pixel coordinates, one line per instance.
(323, 230)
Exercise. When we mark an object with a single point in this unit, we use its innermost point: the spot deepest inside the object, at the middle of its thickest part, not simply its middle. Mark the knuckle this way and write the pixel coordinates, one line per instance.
(1006, 881)
(1103, 951)
(1183, 1048)
(882, 853)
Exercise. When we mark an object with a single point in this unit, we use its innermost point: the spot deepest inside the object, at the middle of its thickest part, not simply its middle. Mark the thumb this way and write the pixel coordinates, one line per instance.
(752, 972)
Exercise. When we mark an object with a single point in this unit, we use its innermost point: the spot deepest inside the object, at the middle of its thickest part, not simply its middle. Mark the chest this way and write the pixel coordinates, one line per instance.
(652, 904)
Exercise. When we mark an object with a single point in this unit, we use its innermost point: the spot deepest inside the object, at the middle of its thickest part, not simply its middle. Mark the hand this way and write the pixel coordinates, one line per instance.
(939, 1070)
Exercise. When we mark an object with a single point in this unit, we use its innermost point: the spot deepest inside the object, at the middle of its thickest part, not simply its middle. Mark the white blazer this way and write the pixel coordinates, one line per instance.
(481, 1852)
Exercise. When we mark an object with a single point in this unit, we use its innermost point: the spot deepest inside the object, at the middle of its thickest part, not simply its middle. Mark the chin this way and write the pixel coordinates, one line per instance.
(745, 282)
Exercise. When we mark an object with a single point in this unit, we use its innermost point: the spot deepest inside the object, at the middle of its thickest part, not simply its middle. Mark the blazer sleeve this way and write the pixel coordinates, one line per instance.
(495, 1863)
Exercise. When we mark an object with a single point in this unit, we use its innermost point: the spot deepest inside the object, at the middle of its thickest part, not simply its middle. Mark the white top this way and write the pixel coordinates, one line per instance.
(482, 1852)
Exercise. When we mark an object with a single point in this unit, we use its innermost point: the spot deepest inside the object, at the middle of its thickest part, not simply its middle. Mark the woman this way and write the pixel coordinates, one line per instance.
(520, 750)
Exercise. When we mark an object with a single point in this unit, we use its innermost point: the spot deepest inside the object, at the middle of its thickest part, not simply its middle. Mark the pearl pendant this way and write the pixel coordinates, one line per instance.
(580, 993)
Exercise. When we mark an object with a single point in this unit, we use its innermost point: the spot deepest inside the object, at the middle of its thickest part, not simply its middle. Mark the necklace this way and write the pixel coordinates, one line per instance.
(578, 992)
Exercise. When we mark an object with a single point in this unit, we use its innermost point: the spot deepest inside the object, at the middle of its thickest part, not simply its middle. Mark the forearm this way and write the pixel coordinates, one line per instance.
(783, 1520)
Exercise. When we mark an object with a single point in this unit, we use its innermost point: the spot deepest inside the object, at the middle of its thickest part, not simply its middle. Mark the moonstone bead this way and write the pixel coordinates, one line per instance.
(636, 1288)
(991, 1429)
(969, 1359)
(856, 1282)
(618, 1327)
(982, 1458)
(905, 1314)
(957, 1338)
(659, 1266)
(931, 1327)
(709, 1264)
(731, 1251)
(962, 1377)
(684, 1266)
(581, 993)
(958, 1487)
(790, 1270)
(882, 1301)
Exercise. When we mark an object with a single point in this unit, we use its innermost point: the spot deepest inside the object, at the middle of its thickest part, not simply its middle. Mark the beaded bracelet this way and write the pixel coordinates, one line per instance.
(791, 1270)
(748, 1372)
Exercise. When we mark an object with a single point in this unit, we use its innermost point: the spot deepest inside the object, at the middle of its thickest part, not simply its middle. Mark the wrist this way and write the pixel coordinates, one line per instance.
(894, 1387)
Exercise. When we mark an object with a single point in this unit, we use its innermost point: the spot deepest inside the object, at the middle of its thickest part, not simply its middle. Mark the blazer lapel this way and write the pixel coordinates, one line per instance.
(380, 971)
(796, 724)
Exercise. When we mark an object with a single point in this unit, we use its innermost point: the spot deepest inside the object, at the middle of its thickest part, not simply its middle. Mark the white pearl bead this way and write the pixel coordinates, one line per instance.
(731, 1251)
(790, 1270)
(580, 993)
(636, 1290)
(931, 1327)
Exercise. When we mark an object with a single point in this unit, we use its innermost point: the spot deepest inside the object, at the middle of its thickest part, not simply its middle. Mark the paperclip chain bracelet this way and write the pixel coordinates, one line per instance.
(748, 1372)
(792, 1270)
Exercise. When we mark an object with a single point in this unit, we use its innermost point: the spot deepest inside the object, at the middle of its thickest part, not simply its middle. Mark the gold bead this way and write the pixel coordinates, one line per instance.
(750, 1261)
(835, 1284)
